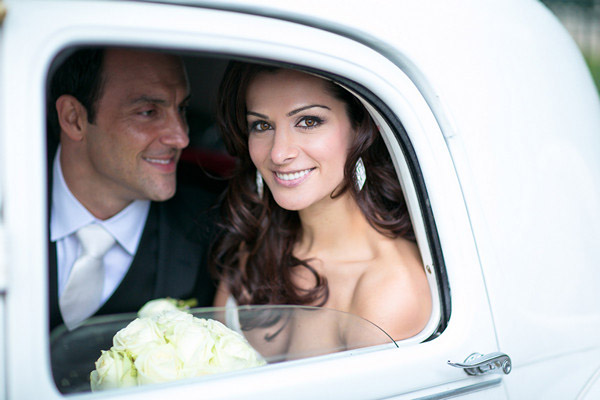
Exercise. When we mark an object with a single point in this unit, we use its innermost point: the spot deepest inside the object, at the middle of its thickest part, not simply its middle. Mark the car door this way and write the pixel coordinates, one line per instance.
(461, 323)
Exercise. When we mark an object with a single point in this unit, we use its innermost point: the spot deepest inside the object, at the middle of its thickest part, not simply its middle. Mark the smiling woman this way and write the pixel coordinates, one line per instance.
(322, 164)
(299, 132)
(329, 225)
(328, 191)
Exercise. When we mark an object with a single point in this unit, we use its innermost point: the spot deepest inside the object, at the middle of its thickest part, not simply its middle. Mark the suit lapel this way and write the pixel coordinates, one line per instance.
(138, 284)
(55, 315)
(54, 311)
(167, 263)
(178, 254)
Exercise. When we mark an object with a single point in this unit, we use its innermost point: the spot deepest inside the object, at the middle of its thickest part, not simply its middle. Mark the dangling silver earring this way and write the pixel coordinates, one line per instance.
(259, 184)
(360, 174)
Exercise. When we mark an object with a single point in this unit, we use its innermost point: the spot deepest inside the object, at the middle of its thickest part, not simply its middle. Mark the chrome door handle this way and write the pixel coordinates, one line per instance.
(479, 364)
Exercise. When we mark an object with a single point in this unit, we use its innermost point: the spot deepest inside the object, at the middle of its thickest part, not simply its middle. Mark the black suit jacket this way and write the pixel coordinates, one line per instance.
(171, 259)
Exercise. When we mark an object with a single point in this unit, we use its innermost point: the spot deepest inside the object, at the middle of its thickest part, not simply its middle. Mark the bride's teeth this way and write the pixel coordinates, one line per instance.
(295, 175)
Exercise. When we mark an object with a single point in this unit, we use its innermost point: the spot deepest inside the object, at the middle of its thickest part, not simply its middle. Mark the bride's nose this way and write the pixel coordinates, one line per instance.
(283, 148)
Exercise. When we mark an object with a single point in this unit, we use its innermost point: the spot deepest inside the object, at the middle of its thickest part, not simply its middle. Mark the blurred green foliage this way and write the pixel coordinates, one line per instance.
(582, 20)
(594, 66)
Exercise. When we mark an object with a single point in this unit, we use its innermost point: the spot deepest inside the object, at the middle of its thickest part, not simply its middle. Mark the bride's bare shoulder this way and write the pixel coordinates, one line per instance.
(394, 292)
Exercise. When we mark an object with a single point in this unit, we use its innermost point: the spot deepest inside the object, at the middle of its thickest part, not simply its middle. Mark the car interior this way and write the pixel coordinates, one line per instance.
(205, 162)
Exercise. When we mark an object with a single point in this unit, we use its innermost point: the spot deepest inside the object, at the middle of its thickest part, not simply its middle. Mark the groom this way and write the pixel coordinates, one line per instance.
(120, 124)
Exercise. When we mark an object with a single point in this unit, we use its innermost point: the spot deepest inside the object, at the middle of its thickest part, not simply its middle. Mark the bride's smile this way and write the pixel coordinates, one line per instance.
(299, 136)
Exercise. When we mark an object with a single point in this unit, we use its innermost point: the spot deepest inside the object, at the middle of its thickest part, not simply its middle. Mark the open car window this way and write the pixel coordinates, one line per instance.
(277, 334)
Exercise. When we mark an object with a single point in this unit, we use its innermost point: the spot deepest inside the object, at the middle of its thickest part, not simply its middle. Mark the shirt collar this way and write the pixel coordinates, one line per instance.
(67, 214)
(128, 225)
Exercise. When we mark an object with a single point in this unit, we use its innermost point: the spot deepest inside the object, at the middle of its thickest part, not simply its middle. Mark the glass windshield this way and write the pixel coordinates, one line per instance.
(277, 333)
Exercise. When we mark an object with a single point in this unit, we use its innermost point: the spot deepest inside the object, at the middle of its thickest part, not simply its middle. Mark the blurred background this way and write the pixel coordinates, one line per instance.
(582, 20)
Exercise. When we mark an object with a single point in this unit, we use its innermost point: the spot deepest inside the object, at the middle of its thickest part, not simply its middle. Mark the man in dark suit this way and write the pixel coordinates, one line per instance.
(120, 118)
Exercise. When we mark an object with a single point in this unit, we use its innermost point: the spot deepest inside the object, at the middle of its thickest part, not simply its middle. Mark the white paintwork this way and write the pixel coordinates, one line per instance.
(521, 118)
(592, 388)
(383, 367)
(504, 120)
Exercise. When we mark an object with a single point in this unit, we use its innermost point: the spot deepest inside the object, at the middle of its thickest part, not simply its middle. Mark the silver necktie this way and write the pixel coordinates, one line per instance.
(81, 296)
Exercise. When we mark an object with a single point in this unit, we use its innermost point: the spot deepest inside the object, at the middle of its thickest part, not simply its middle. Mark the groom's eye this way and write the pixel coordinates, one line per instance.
(147, 112)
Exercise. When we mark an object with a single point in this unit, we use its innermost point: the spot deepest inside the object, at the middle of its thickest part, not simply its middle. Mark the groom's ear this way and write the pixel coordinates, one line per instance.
(72, 117)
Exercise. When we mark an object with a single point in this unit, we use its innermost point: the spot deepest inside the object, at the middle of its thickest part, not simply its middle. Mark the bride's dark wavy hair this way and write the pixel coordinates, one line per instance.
(254, 254)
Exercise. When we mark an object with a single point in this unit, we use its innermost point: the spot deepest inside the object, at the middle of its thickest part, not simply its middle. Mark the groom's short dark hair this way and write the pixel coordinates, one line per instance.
(79, 75)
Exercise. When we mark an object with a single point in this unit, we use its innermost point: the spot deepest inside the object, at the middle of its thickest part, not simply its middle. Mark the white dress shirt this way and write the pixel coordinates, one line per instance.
(67, 215)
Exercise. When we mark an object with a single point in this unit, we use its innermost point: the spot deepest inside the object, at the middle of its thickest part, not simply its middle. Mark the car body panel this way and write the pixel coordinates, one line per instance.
(470, 327)
(492, 138)
(521, 117)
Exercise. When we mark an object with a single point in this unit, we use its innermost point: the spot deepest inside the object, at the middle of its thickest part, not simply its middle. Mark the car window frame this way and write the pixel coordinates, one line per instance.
(134, 40)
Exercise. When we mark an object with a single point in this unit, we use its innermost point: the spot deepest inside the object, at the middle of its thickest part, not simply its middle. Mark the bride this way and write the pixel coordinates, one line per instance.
(314, 213)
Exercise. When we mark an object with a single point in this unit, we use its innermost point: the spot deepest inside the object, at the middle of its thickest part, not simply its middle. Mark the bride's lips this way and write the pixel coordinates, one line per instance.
(165, 164)
(292, 178)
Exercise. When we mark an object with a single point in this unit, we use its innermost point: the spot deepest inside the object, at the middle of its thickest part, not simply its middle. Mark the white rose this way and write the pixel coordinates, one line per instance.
(194, 346)
(217, 328)
(232, 351)
(158, 364)
(157, 307)
(140, 334)
(113, 369)
(167, 321)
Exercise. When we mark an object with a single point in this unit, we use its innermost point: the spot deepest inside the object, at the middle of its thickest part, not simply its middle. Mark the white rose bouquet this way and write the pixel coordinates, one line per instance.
(166, 344)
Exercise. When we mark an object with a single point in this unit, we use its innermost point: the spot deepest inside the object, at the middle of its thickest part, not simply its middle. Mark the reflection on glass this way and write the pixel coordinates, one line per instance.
(281, 333)
(278, 333)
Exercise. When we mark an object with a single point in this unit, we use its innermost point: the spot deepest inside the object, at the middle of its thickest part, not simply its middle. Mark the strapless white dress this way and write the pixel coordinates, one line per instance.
(232, 318)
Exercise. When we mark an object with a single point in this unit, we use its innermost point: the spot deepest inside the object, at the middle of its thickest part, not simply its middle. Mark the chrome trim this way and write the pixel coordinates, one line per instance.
(463, 390)
(479, 364)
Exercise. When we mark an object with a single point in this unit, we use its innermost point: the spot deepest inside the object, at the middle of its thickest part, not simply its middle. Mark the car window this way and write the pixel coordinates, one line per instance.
(206, 164)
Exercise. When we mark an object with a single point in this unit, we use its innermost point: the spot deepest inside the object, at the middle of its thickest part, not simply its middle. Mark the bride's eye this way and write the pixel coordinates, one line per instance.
(309, 122)
(259, 126)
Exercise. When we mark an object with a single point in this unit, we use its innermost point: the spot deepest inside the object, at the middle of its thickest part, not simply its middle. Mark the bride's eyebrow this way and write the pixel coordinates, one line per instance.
(257, 115)
(297, 110)
(291, 113)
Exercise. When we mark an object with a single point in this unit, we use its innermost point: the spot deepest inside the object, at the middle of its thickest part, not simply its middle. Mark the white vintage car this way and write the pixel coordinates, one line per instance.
(493, 123)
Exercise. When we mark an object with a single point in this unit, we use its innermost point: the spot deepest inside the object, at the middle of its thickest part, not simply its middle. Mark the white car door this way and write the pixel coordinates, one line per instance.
(33, 33)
